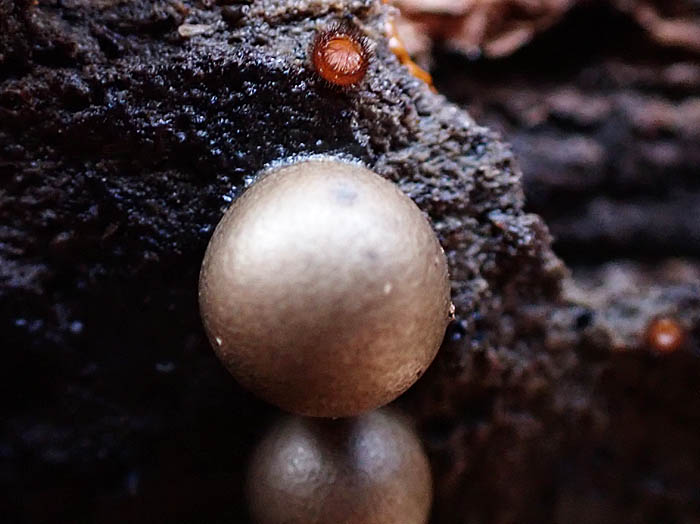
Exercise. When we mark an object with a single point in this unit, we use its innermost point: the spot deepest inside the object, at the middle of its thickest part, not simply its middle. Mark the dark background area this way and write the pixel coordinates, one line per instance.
(605, 124)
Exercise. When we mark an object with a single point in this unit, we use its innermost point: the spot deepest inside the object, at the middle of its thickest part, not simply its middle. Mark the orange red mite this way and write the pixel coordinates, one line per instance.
(665, 335)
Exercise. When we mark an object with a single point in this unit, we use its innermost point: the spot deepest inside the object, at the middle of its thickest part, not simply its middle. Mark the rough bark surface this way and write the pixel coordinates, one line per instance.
(602, 113)
(126, 128)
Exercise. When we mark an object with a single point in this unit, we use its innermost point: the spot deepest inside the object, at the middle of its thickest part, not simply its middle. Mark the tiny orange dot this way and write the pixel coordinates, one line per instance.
(341, 55)
(665, 335)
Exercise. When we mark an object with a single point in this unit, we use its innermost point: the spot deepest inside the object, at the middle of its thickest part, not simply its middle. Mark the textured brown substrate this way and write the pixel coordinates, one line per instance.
(126, 128)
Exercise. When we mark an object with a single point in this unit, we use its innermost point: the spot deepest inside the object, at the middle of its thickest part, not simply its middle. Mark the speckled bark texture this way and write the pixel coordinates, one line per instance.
(602, 113)
(126, 129)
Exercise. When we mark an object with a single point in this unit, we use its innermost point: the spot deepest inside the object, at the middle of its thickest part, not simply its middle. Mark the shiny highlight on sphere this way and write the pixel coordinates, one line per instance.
(341, 55)
(324, 289)
(368, 470)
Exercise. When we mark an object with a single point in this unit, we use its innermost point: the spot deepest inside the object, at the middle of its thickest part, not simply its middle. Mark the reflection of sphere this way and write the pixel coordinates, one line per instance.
(325, 290)
(368, 470)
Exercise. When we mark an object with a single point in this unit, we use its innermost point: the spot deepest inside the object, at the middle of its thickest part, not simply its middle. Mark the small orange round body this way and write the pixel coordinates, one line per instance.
(665, 335)
(341, 55)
